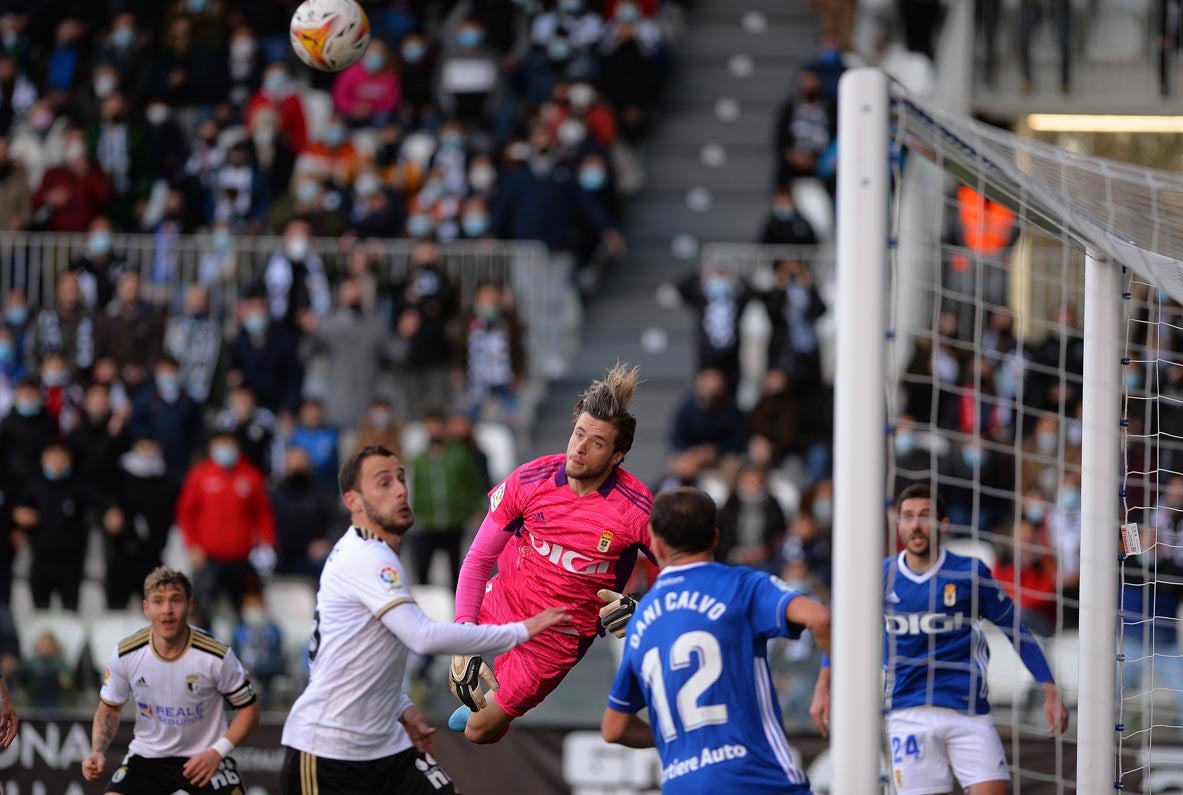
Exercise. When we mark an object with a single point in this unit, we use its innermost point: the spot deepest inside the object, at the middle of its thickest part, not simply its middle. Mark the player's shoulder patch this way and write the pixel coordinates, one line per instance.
(496, 497)
(784, 586)
(389, 577)
(135, 641)
(205, 642)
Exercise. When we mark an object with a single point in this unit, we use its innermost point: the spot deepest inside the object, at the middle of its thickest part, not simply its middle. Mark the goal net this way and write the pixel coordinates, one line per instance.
(1029, 376)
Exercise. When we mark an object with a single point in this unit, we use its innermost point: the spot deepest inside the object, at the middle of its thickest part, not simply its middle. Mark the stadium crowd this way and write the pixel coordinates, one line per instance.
(147, 412)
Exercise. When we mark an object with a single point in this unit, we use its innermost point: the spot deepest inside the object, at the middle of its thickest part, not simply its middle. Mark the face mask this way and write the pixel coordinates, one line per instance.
(627, 12)
(381, 418)
(488, 314)
(559, 49)
(55, 473)
(169, 386)
(16, 315)
(581, 96)
(718, 287)
(27, 408)
(122, 38)
(334, 135)
(141, 465)
(374, 62)
(782, 212)
(1046, 441)
(905, 443)
(297, 247)
(972, 456)
(571, 132)
(98, 244)
(221, 239)
(592, 178)
(1075, 433)
(470, 37)
(414, 52)
(104, 85)
(55, 378)
(1070, 499)
(276, 84)
(254, 322)
(157, 114)
(482, 177)
(5, 351)
(1033, 513)
(823, 510)
(475, 224)
(75, 151)
(224, 455)
(254, 617)
(420, 225)
(242, 49)
(306, 193)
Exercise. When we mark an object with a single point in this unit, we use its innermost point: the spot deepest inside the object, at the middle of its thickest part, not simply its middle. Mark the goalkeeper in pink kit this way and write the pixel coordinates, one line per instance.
(563, 529)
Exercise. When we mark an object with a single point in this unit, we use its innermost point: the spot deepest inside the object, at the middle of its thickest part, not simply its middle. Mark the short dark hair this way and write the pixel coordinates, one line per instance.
(350, 472)
(608, 400)
(923, 491)
(685, 519)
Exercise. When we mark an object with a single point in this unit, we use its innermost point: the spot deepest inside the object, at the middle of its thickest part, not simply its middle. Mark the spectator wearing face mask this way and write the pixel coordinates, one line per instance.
(718, 295)
(39, 141)
(98, 439)
(320, 440)
(64, 67)
(381, 425)
(147, 500)
(491, 356)
(332, 157)
(244, 66)
(368, 93)
(121, 150)
(164, 412)
(313, 202)
(194, 339)
(278, 93)
(17, 92)
(475, 221)
(164, 145)
(784, 225)
(130, 331)
(470, 79)
(975, 465)
(303, 516)
(374, 212)
(61, 398)
(51, 513)
(805, 130)
(751, 522)
(357, 346)
(794, 307)
(913, 463)
(99, 267)
(294, 278)
(191, 68)
(239, 192)
(424, 307)
(67, 326)
(265, 358)
(12, 369)
(258, 644)
(124, 50)
(73, 194)
(16, 321)
(709, 421)
(224, 513)
(418, 58)
(631, 47)
(24, 433)
(252, 426)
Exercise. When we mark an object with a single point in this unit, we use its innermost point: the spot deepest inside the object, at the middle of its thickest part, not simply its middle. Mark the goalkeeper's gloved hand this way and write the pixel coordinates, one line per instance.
(620, 608)
(465, 677)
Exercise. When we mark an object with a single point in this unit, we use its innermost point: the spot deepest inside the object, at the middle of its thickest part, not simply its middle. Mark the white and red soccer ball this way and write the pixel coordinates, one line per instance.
(330, 35)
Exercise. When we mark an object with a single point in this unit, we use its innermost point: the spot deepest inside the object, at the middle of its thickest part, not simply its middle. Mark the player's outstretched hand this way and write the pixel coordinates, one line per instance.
(1054, 710)
(418, 729)
(93, 764)
(200, 768)
(616, 614)
(550, 617)
(467, 673)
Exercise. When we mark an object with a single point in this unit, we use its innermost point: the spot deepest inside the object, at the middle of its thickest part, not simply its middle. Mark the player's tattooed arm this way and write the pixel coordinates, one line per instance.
(106, 724)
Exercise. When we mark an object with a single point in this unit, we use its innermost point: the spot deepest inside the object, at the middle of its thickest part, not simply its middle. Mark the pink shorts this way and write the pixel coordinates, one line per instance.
(529, 672)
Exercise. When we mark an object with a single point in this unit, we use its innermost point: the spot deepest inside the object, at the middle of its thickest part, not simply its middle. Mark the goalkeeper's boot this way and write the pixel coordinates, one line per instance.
(459, 718)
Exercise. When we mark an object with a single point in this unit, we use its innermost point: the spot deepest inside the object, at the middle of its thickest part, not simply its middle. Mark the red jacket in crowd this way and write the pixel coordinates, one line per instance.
(225, 512)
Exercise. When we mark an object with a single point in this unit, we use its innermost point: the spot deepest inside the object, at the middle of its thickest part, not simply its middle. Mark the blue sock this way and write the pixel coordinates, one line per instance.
(459, 718)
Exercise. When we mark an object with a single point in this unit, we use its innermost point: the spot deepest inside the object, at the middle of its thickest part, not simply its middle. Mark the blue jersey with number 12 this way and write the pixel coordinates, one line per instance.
(696, 655)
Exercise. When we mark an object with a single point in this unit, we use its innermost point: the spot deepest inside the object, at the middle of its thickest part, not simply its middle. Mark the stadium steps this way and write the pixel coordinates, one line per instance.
(624, 309)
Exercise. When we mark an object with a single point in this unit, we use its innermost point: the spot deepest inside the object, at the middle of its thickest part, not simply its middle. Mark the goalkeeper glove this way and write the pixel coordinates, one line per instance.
(620, 608)
(465, 677)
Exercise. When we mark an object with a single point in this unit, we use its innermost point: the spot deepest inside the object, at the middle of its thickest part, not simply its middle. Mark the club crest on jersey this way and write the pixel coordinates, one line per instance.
(388, 576)
(605, 541)
(191, 683)
(950, 595)
(496, 496)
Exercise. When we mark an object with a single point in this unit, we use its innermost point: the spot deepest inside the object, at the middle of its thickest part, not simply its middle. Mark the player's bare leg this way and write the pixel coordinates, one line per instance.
(989, 788)
(490, 724)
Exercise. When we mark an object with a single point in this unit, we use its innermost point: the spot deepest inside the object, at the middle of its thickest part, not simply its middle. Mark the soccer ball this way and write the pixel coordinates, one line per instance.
(330, 35)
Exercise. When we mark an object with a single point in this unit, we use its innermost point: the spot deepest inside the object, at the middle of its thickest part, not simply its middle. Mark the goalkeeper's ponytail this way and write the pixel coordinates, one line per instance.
(607, 400)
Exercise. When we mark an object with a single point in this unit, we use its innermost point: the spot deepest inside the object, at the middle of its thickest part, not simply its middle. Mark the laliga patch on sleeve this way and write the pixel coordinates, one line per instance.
(495, 498)
(388, 576)
(1130, 541)
(779, 583)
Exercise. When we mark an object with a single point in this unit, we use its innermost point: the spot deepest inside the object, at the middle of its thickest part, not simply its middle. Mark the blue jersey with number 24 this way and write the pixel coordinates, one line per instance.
(696, 655)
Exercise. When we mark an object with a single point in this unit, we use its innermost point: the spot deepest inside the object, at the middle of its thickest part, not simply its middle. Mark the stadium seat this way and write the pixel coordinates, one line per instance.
(974, 548)
(104, 633)
(498, 444)
(292, 603)
(1008, 679)
(437, 602)
(68, 628)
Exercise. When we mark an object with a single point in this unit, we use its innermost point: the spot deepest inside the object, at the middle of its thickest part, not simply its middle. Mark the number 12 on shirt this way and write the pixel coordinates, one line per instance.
(691, 714)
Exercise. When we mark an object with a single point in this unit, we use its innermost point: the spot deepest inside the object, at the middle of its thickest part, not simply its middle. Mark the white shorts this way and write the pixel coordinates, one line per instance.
(929, 745)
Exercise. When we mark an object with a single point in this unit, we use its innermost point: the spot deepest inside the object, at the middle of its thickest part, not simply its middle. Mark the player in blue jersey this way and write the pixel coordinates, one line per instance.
(696, 655)
(935, 658)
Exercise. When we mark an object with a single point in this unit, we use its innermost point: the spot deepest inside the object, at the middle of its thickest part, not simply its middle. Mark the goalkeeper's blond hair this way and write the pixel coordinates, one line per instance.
(607, 400)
